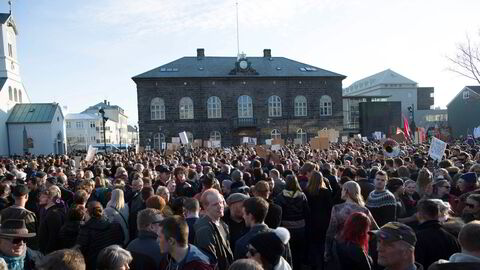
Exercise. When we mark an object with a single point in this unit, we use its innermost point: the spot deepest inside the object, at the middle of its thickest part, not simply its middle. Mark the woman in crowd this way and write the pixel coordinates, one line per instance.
(410, 197)
(340, 212)
(114, 257)
(395, 186)
(117, 211)
(295, 213)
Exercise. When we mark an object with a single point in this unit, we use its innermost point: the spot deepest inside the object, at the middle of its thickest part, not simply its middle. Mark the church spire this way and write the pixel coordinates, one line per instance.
(10, 5)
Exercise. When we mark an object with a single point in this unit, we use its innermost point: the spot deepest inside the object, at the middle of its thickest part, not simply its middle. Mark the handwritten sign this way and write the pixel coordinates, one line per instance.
(437, 149)
(91, 153)
(183, 137)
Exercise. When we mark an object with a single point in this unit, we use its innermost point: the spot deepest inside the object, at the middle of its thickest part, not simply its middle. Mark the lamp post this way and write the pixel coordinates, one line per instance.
(411, 109)
(104, 119)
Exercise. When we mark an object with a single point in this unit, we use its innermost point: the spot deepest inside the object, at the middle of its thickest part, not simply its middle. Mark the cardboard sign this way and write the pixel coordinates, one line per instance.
(137, 148)
(278, 141)
(399, 138)
(297, 141)
(437, 149)
(183, 137)
(261, 152)
(92, 151)
(175, 139)
(331, 134)
(215, 144)
(323, 133)
(268, 141)
(344, 139)
(207, 144)
(276, 147)
(197, 143)
(319, 143)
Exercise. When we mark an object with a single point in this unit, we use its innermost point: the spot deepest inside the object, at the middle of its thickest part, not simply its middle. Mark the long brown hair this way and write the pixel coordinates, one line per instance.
(315, 183)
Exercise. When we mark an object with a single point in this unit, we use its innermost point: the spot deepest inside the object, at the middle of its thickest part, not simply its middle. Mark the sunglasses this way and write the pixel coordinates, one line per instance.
(470, 205)
(15, 241)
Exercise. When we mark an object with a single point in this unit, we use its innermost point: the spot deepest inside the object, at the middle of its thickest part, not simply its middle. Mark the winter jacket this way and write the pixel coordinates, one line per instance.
(295, 210)
(352, 256)
(434, 243)
(120, 217)
(241, 244)
(458, 261)
(194, 260)
(145, 248)
(68, 234)
(209, 239)
(96, 234)
(321, 207)
(49, 229)
(274, 215)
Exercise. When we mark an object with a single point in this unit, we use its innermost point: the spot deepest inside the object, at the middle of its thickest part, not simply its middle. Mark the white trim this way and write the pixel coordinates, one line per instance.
(460, 92)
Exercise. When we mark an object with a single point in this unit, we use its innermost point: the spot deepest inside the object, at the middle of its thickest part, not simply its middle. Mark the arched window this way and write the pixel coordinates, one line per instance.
(157, 109)
(274, 106)
(325, 105)
(301, 134)
(300, 106)
(214, 107)
(190, 137)
(15, 94)
(186, 108)
(215, 136)
(158, 139)
(245, 107)
(276, 134)
(10, 93)
(19, 95)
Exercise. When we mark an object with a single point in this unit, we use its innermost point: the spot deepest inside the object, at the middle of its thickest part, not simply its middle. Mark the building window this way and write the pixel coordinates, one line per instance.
(10, 93)
(300, 106)
(92, 124)
(158, 139)
(276, 134)
(215, 136)
(301, 134)
(15, 94)
(10, 50)
(79, 124)
(245, 107)
(186, 108)
(190, 136)
(214, 107)
(69, 124)
(157, 109)
(466, 94)
(20, 96)
(274, 106)
(325, 105)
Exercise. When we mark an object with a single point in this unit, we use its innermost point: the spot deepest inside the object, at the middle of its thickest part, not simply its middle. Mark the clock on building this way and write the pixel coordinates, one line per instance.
(243, 64)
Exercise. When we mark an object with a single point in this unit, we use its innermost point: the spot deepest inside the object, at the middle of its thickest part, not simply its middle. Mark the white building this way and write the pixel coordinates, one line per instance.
(36, 128)
(116, 115)
(12, 90)
(133, 138)
(84, 129)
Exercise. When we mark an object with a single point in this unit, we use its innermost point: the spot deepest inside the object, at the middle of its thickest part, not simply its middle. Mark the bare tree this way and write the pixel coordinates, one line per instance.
(467, 60)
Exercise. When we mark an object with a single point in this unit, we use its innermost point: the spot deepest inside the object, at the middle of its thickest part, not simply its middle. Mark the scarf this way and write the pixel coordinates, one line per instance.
(14, 263)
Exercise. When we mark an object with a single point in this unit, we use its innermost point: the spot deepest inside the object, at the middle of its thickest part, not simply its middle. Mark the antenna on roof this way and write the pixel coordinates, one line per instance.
(238, 35)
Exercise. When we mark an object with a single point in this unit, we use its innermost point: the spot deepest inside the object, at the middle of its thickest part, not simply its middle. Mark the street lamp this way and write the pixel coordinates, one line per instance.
(104, 119)
(411, 109)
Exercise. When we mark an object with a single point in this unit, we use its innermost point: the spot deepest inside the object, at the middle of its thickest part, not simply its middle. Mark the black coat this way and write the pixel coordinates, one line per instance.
(351, 256)
(321, 208)
(49, 229)
(96, 234)
(434, 243)
(68, 234)
(274, 215)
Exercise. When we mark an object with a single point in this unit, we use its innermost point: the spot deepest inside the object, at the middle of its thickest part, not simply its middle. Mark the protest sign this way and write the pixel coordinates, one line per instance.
(297, 141)
(364, 139)
(278, 141)
(261, 152)
(92, 151)
(276, 147)
(344, 139)
(197, 143)
(215, 144)
(319, 143)
(175, 140)
(268, 141)
(183, 137)
(437, 149)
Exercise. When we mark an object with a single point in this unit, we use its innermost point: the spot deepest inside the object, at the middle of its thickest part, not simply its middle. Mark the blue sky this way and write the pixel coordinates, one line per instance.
(79, 53)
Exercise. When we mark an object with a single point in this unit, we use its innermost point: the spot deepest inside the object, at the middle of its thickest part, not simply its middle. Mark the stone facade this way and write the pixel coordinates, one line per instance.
(229, 89)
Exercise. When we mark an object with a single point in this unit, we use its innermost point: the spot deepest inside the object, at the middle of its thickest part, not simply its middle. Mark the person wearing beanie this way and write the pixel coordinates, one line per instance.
(234, 217)
(267, 249)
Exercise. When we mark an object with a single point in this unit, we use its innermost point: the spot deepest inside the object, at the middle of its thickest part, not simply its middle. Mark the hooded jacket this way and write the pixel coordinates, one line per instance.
(295, 210)
(460, 261)
(194, 260)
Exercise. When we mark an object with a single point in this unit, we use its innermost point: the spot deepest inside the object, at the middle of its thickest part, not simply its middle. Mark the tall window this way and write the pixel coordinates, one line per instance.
(79, 124)
(215, 136)
(274, 106)
(157, 109)
(245, 107)
(276, 134)
(325, 105)
(20, 96)
(10, 93)
(190, 136)
(186, 108)
(214, 107)
(69, 124)
(15, 94)
(300, 106)
(301, 134)
(158, 139)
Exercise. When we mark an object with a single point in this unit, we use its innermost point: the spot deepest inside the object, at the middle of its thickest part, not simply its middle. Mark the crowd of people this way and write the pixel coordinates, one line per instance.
(353, 206)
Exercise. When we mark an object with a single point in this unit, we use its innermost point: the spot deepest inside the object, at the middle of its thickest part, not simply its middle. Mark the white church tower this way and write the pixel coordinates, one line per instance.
(12, 90)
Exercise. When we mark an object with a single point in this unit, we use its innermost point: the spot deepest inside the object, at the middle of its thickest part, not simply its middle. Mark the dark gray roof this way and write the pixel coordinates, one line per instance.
(2, 82)
(188, 67)
(32, 113)
(4, 17)
(475, 88)
(101, 105)
(131, 128)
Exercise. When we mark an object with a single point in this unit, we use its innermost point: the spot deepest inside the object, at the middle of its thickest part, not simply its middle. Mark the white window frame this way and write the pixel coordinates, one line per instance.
(302, 134)
(158, 139)
(215, 136)
(325, 105)
(245, 107)
(214, 107)
(157, 109)
(186, 108)
(274, 106)
(466, 94)
(300, 106)
(275, 134)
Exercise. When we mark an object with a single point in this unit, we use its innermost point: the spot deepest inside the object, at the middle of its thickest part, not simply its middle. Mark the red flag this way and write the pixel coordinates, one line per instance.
(406, 128)
(399, 131)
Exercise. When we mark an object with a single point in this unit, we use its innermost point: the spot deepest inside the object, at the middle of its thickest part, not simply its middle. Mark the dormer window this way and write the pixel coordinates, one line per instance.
(466, 94)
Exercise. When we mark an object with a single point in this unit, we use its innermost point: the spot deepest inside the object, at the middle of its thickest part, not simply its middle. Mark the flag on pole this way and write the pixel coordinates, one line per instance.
(406, 128)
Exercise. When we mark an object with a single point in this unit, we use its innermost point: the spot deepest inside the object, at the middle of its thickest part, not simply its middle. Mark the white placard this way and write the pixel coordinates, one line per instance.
(90, 153)
(476, 132)
(344, 139)
(268, 141)
(364, 139)
(215, 144)
(377, 135)
(276, 147)
(245, 140)
(183, 137)
(175, 140)
(437, 149)
(164, 145)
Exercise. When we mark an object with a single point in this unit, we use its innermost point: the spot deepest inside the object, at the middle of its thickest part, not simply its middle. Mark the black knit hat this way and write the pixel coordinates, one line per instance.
(271, 245)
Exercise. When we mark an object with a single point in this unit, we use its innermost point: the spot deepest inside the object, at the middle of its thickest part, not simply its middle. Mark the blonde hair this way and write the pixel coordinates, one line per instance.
(117, 200)
(352, 190)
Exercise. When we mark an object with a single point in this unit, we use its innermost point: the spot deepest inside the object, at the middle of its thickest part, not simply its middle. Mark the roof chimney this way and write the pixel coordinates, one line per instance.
(105, 101)
(267, 53)
(200, 53)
